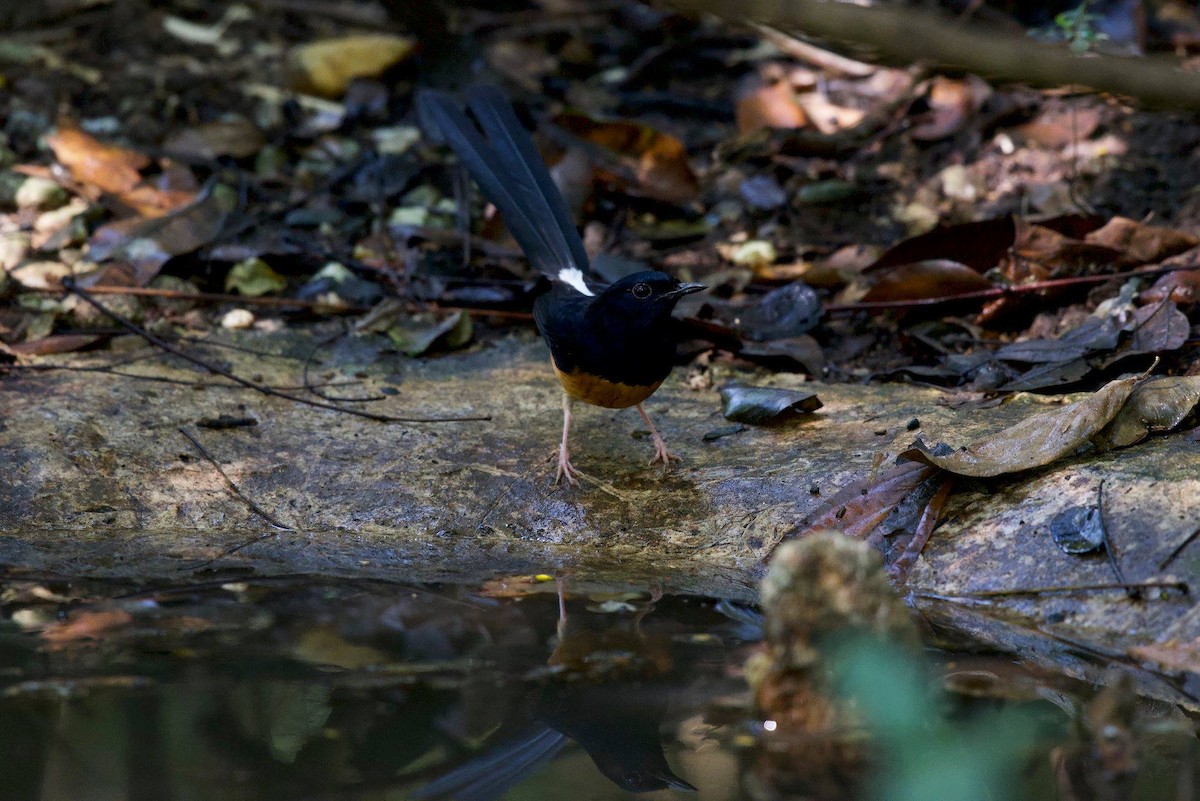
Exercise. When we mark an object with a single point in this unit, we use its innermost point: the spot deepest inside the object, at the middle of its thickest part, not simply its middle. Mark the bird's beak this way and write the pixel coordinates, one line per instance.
(681, 290)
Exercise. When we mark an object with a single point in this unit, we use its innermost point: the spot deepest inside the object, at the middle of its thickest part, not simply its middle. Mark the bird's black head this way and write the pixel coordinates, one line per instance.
(646, 296)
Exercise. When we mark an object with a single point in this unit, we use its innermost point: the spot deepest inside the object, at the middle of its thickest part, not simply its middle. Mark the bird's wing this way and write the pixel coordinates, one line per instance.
(513, 177)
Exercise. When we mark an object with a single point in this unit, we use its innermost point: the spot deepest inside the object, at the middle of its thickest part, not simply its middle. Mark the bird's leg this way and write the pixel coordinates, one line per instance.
(560, 587)
(564, 461)
(660, 446)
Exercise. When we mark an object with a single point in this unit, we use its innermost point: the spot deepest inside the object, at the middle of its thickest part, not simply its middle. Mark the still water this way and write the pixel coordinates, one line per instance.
(303, 688)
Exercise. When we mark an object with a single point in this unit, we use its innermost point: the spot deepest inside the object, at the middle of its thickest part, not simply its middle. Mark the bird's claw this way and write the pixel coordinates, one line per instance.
(661, 454)
(565, 469)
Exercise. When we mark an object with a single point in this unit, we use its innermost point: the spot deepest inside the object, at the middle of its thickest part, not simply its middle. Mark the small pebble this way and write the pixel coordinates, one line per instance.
(237, 318)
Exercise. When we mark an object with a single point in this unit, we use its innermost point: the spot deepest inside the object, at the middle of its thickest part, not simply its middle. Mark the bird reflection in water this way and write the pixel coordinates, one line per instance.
(606, 689)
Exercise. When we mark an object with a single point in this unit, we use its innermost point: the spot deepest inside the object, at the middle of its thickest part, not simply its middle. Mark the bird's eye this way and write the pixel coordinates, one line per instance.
(641, 291)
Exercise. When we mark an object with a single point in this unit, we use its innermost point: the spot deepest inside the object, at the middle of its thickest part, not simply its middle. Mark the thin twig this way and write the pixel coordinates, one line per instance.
(1132, 592)
(70, 285)
(213, 297)
(254, 507)
(1004, 291)
(40, 368)
(1178, 586)
(1174, 554)
(311, 387)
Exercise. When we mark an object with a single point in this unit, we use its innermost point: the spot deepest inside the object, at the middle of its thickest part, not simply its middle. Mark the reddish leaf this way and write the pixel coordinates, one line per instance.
(1142, 244)
(55, 343)
(768, 105)
(952, 103)
(105, 168)
(651, 164)
(1054, 128)
(858, 508)
(1182, 287)
(109, 168)
(86, 625)
(933, 278)
(979, 245)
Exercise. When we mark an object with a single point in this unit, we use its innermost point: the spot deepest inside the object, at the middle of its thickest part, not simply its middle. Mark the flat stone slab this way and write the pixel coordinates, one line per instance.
(98, 480)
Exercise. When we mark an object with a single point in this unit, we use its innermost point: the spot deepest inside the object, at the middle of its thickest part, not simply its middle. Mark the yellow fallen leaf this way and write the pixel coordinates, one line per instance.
(326, 67)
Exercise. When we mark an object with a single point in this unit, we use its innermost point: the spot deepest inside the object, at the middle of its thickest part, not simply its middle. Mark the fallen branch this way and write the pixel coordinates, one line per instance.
(907, 35)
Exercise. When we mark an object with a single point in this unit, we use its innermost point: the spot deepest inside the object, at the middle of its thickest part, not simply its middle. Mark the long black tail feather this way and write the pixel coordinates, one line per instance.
(508, 169)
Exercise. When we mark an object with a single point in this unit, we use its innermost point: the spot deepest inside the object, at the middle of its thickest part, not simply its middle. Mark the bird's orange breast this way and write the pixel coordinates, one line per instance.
(600, 391)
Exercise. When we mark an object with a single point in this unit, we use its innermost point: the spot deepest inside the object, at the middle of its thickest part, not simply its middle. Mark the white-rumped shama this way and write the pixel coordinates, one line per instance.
(611, 345)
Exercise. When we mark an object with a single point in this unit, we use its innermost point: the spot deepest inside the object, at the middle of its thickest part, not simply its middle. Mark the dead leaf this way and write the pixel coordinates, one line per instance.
(235, 138)
(929, 279)
(1055, 128)
(416, 336)
(857, 509)
(656, 163)
(114, 170)
(1094, 334)
(764, 405)
(1181, 287)
(788, 311)
(952, 103)
(1034, 442)
(979, 245)
(108, 168)
(762, 105)
(1060, 255)
(55, 343)
(86, 625)
(327, 66)
(1142, 244)
(826, 116)
(1158, 328)
(1159, 404)
(803, 350)
(1173, 655)
(138, 248)
(518, 586)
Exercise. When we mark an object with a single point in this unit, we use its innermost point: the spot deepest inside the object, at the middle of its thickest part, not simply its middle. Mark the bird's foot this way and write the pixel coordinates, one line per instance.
(565, 469)
(661, 453)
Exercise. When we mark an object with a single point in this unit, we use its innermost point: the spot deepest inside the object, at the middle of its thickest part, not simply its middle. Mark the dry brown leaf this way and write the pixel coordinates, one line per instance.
(108, 168)
(1174, 655)
(86, 625)
(1061, 127)
(1034, 442)
(857, 509)
(1159, 404)
(929, 279)
(1181, 287)
(1056, 254)
(768, 105)
(1142, 244)
(139, 247)
(55, 343)
(518, 586)
(952, 103)
(657, 163)
(826, 116)
(211, 140)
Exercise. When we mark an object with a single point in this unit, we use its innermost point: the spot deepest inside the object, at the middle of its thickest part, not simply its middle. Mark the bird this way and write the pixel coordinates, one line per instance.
(608, 690)
(610, 345)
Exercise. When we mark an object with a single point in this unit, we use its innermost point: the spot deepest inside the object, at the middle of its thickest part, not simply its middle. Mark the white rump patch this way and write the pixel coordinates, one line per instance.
(573, 277)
